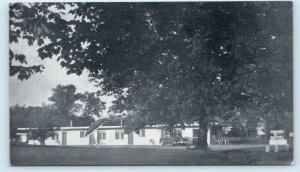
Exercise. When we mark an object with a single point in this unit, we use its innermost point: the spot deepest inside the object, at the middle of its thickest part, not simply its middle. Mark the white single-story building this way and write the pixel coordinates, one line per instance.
(110, 135)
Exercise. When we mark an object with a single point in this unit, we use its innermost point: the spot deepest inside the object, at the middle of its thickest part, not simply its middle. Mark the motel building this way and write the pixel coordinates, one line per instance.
(111, 135)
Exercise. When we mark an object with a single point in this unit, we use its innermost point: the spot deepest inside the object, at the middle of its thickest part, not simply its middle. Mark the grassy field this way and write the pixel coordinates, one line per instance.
(37, 155)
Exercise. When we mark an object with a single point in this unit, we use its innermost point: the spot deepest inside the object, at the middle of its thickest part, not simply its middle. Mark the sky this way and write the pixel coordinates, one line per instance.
(37, 89)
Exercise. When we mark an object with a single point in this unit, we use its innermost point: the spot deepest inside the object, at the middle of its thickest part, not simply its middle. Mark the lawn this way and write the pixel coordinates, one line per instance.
(37, 155)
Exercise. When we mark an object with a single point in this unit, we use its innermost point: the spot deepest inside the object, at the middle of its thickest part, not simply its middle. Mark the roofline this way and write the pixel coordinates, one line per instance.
(114, 127)
(106, 127)
(72, 128)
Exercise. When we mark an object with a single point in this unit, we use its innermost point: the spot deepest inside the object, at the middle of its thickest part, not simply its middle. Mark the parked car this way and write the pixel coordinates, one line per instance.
(174, 141)
(167, 141)
(180, 141)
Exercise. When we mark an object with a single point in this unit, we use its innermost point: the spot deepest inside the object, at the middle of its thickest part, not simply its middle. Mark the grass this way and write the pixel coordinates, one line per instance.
(37, 155)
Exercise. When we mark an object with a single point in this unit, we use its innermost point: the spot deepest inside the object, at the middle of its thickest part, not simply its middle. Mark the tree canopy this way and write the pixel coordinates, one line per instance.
(171, 63)
(67, 101)
(64, 99)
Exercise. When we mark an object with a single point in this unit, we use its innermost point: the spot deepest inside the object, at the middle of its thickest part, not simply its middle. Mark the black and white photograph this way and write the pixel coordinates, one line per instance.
(197, 83)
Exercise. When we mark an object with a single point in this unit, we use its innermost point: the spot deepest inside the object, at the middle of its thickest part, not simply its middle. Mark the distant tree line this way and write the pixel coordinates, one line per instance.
(67, 106)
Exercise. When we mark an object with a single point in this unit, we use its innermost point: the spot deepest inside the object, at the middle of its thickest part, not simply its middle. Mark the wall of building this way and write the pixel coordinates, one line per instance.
(152, 137)
(111, 137)
(187, 133)
(51, 141)
(73, 138)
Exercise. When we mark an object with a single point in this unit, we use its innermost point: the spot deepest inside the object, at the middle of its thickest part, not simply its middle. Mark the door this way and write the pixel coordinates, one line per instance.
(64, 138)
(92, 139)
(130, 138)
(195, 135)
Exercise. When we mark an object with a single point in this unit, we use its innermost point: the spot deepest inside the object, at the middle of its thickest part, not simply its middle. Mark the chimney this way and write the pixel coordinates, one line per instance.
(71, 123)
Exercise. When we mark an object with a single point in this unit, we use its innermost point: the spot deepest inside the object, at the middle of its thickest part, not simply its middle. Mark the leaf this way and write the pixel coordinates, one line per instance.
(21, 58)
(40, 41)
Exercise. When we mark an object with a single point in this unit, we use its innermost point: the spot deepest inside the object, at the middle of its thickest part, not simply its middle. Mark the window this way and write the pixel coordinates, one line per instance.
(195, 132)
(142, 133)
(81, 134)
(122, 135)
(119, 135)
(57, 138)
(101, 135)
(53, 136)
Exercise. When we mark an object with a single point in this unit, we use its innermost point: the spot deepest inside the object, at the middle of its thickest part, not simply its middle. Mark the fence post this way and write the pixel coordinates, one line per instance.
(267, 148)
(276, 148)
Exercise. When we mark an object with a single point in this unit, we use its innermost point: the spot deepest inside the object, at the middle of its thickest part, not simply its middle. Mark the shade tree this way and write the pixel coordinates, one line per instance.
(198, 63)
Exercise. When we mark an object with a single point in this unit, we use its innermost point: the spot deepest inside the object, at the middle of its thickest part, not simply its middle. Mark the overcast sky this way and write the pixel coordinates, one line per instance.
(37, 89)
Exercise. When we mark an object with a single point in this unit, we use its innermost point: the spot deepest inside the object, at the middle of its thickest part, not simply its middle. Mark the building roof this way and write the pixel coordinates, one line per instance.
(105, 127)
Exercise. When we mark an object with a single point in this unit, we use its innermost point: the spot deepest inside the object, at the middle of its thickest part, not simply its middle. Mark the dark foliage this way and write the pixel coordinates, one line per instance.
(173, 63)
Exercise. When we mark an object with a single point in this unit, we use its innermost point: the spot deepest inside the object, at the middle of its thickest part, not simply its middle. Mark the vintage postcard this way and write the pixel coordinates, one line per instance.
(151, 83)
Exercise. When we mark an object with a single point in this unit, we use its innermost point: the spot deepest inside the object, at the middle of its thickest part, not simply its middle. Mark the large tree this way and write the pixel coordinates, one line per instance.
(173, 63)
(17, 118)
(32, 22)
(65, 99)
(93, 105)
(42, 123)
(41, 120)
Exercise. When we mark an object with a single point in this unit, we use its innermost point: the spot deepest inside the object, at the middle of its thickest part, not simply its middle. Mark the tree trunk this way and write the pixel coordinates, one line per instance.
(43, 141)
(246, 132)
(267, 130)
(202, 136)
